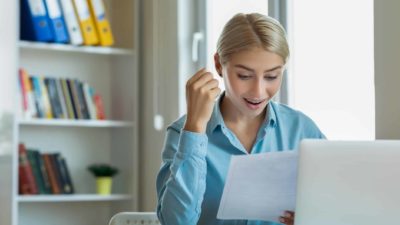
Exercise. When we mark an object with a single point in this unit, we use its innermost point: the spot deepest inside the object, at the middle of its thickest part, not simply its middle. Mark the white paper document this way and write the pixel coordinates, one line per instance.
(260, 186)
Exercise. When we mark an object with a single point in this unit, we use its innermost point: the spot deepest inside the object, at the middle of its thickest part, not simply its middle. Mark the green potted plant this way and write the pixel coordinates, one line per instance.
(103, 173)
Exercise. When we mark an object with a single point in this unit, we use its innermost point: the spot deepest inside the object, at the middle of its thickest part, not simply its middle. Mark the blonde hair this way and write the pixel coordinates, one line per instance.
(246, 31)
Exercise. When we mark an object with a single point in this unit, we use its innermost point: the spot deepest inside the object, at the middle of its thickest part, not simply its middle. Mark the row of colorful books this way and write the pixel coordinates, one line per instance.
(47, 97)
(42, 173)
(65, 21)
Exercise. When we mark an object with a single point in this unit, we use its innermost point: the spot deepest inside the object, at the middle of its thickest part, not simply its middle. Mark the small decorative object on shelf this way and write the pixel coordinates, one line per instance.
(103, 173)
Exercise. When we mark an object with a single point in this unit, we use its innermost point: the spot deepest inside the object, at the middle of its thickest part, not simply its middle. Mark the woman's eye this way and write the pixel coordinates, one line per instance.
(270, 77)
(243, 77)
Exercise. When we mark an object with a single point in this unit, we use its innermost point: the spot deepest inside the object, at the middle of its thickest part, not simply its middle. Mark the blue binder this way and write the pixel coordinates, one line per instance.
(56, 21)
(34, 22)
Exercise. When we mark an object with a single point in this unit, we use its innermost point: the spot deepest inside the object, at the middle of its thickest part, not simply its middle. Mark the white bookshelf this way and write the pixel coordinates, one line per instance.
(72, 48)
(75, 123)
(113, 72)
(74, 198)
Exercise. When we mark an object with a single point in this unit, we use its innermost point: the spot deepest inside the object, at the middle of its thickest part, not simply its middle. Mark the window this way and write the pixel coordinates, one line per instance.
(331, 70)
(331, 73)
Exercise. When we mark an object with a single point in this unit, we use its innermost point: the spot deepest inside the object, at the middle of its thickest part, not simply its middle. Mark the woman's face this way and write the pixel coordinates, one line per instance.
(252, 78)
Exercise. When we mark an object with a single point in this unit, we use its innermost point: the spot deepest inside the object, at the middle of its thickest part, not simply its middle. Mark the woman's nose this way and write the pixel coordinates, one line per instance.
(258, 88)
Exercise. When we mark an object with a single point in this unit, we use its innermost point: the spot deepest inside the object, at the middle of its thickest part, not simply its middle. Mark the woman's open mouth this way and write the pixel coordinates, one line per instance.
(254, 103)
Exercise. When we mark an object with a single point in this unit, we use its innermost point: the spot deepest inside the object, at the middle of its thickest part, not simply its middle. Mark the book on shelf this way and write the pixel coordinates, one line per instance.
(56, 167)
(28, 98)
(43, 173)
(58, 98)
(65, 179)
(67, 98)
(74, 99)
(82, 100)
(24, 90)
(40, 176)
(26, 180)
(61, 98)
(61, 174)
(46, 99)
(54, 181)
(98, 101)
(54, 98)
(36, 87)
(88, 93)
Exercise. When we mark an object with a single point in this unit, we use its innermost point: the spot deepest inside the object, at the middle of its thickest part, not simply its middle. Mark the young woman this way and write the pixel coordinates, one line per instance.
(251, 55)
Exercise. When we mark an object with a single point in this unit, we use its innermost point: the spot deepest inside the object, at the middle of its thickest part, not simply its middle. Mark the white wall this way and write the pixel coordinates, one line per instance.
(8, 79)
(387, 68)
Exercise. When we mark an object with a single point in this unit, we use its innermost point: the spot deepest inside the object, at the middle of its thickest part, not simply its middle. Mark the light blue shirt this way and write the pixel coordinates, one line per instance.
(194, 168)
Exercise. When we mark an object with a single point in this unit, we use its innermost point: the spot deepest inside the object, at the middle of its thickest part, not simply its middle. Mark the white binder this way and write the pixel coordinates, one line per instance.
(71, 20)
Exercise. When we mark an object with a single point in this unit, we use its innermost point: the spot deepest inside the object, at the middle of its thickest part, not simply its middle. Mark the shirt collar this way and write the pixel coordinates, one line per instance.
(217, 119)
(271, 114)
(216, 116)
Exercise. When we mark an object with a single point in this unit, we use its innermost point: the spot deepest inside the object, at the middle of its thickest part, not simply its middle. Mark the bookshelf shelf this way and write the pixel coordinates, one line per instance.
(75, 123)
(74, 198)
(72, 48)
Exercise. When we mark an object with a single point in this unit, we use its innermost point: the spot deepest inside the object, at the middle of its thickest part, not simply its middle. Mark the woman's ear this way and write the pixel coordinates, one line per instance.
(217, 63)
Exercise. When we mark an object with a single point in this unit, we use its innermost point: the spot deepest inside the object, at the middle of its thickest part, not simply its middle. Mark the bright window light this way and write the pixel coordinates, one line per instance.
(331, 76)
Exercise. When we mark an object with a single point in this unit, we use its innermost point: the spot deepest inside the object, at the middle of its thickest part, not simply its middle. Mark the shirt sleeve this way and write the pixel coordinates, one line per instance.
(181, 180)
(311, 130)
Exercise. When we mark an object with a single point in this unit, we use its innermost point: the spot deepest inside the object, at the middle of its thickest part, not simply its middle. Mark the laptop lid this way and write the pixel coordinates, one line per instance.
(348, 183)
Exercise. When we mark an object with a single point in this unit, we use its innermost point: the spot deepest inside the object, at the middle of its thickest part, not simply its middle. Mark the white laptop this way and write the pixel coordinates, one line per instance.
(348, 183)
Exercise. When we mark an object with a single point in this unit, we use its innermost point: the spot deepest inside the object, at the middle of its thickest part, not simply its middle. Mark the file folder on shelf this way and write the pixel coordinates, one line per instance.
(34, 22)
(102, 24)
(56, 21)
(86, 22)
(71, 21)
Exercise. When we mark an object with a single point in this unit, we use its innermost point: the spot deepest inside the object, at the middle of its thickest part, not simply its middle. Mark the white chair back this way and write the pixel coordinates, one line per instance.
(134, 218)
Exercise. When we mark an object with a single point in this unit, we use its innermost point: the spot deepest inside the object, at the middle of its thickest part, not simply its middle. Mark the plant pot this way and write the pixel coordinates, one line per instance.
(104, 185)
